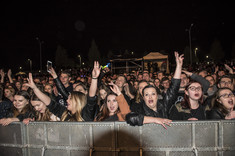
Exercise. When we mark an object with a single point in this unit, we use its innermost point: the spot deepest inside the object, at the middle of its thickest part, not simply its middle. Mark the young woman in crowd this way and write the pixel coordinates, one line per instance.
(138, 97)
(153, 110)
(192, 106)
(223, 103)
(115, 106)
(48, 88)
(42, 113)
(103, 91)
(21, 110)
(80, 107)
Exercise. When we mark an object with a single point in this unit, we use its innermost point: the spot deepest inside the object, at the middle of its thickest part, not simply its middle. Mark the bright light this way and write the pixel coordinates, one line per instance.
(79, 56)
(196, 48)
(207, 56)
(20, 67)
(83, 63)
(132, 53)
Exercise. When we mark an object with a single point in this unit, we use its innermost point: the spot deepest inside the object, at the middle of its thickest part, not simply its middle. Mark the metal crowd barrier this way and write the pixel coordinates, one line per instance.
(190, 138)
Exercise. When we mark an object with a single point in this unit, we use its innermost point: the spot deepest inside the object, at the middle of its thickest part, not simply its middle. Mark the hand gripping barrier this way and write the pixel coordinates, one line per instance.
(190, 138)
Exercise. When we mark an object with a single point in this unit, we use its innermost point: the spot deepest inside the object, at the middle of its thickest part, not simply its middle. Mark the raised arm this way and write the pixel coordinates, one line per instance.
(122, 103)
(230, 70)
(43, 97)
(60, 87)
(9, 73)
(94, 80)
(179, 64)
(2, 75)
(205, 83)
(171, 94)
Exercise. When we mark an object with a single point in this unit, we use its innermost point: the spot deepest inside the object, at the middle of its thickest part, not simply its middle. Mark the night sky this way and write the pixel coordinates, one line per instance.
(137, 26)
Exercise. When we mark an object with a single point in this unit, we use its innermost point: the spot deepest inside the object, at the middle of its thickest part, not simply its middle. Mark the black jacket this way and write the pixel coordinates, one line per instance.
(88, 112)
(136, 117)
(64, 92)
(215, 114)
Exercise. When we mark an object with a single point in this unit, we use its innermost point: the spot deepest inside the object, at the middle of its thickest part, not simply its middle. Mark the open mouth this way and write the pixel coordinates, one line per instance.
(230, 102)
(112, 108)
(150, 101)
(196, 95)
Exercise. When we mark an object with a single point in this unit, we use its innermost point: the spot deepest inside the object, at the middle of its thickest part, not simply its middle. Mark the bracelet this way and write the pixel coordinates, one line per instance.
(95, 78)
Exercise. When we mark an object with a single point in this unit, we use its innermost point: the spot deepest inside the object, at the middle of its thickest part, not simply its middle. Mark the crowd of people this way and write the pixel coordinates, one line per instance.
(138, 98)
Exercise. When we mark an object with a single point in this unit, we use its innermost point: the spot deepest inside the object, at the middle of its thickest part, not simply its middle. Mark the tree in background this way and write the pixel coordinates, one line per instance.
(216, 51)
(62, 59)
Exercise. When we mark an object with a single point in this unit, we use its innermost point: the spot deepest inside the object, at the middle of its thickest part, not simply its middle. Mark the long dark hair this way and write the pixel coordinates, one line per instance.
(41, 116)
(186, 102)
(216, 104)
(27, 108)
(104, 114)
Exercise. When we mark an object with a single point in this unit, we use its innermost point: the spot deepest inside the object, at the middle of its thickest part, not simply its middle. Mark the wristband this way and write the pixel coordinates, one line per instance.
(95, 78)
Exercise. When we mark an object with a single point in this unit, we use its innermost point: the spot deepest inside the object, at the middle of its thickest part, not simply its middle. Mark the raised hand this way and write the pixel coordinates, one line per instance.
(187, 73)
(31, 83)
(53, 73)
(2, 73)
(115, 88)
(96, 70)
(9, 73)
(179, 59)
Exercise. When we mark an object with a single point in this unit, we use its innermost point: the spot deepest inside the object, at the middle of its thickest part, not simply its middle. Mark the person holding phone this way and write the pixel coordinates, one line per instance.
(63, 85)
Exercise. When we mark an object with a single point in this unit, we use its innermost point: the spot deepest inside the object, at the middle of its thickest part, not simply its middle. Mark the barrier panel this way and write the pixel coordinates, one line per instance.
(190, 138)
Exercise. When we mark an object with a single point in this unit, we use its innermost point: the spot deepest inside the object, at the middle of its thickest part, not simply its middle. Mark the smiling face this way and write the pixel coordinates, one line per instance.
(20, 102)
(226, 97)
(112, 104)
(39, 106)
(194, 91)
(150, 98)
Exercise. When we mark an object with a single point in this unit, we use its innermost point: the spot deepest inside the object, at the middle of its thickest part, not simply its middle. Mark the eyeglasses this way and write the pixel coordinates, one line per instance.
(192, 88)
(227, 95)
(226, 82)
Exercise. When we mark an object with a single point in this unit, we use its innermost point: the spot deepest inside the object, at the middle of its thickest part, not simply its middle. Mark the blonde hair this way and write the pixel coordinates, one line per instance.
(79, 100)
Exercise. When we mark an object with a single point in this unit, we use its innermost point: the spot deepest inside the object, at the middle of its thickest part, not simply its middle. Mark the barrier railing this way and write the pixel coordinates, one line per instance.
(191, 138)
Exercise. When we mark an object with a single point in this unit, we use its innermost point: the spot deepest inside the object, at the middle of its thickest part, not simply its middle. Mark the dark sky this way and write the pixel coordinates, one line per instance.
(138, 26)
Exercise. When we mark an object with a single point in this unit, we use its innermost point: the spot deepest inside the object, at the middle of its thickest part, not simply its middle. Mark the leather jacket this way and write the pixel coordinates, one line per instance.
(136, 117)
(61, 88)
(215, 114)
(88, 111)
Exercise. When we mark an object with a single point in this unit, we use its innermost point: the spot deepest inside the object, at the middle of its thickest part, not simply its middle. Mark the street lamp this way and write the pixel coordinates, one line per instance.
(40, 51)
(190, 43)
(196, 49)
(80, 60)
(30, 64)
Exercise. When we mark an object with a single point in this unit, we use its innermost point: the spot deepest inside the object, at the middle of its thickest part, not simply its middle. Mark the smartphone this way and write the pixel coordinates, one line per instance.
(49, 65)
